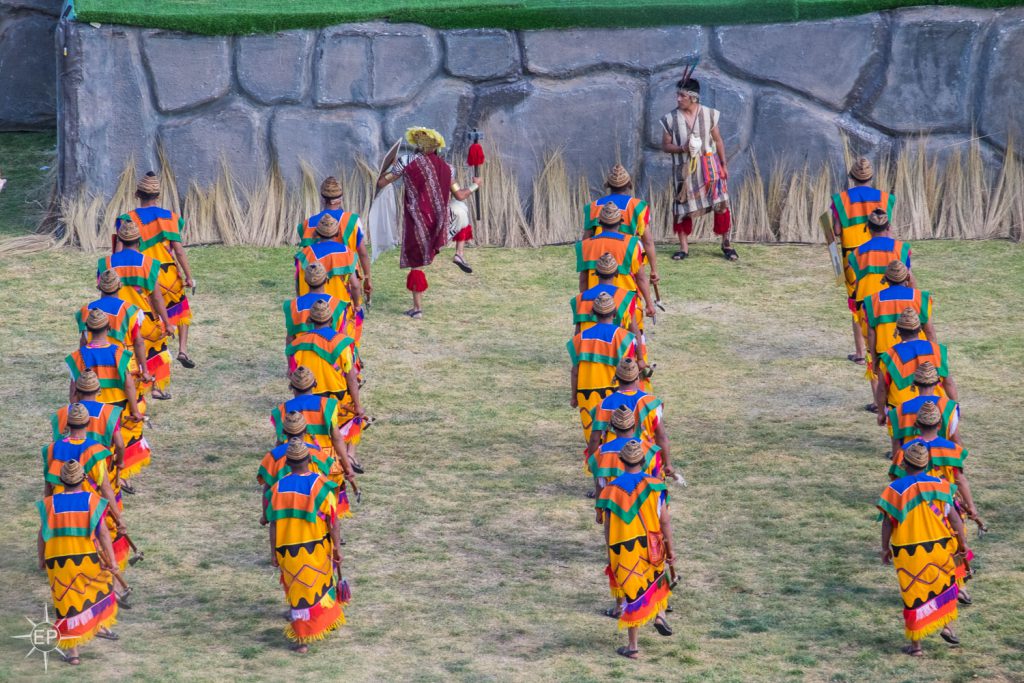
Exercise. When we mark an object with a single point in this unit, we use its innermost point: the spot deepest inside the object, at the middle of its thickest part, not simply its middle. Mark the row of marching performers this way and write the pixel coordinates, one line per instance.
(913, 392)
(309, 475)
(98, 445)
(626, 452)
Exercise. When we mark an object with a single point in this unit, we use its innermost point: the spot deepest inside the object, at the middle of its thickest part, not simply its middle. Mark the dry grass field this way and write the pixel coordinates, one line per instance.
(474, 555)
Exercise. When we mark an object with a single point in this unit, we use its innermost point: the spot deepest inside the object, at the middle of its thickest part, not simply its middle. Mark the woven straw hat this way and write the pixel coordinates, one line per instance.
(604, 304)
(327, 226)
(623, 418)
(607, 265)
(896, 272)
(330, 188)
(610, 214)
(926, 374)
(632, 452)
(627, 370)
(148, 184)
(862, 170)
(929, 415)
(916, 454)
(297, 450)
(294, 423)
(878, 220)
(619, 177)
(127, 230)
(302, 379)
(320, 312)
(97, 320)
(88, 382)
(78, 415)
(909, 320)
(315, 274)
(426, 139)
(109, 282)
(71, 473)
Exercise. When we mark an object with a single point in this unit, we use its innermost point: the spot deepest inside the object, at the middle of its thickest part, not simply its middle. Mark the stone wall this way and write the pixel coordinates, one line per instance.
(333, 95)
(28, 66)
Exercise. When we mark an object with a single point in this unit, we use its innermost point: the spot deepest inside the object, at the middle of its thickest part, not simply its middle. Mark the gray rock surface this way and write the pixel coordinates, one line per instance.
(99, 135)
(50, 7)
(592, 139)
(393, 54)
(796, 133)
(823, 59)
(330, 141)
(928, 84)
(342, 69)
(570, 52)
(444, 106)
(187, 70)
(28, 70)
(274, 69)
(196, 145)
(481, 55)
(1002, 115)
(735, 99)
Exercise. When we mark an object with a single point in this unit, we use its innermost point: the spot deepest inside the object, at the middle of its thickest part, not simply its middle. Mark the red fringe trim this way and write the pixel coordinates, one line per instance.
(684, 226)
(464, 235)
(723, 221)
(416, 281)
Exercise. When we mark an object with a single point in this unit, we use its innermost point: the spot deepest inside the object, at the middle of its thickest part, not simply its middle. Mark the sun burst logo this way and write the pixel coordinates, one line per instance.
(44, 637)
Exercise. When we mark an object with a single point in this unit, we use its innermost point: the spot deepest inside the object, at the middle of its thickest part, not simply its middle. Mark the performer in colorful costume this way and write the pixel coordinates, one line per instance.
(104, 425)
(646, 409)
(638, 533)
(921, 532)
(296, 311)
(636, 215)
(101, 474)
(604, 463)
(628, 254)
(342, 279)
(582, 305)
(275, 465)
(882, 308)
(125, 321)
(140, 275)
(595, 353)
(74, 548)
(903, 418)
(850, 211)
(429, 186)
(160, 239)
(117, 387)
(897, 365)
(868, 263)
(304, 544)
(700, 169)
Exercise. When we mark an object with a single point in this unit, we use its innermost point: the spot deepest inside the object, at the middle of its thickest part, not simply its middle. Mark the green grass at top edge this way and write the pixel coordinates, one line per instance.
(234, 17)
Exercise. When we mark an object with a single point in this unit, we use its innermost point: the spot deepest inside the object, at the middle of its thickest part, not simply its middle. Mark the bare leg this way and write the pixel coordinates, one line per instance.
(417, 301)
(632, 635)
(684, 241)
(183, 338)
(858, 340)
(460, 249)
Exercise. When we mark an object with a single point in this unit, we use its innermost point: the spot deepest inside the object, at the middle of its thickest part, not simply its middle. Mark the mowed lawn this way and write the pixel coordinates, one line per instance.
(474, 555)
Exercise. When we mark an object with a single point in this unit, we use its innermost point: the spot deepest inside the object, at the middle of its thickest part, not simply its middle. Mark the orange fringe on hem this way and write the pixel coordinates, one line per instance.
(291, 635)
(658, 607)
(131, 471)
(68, 643)
(920, 634)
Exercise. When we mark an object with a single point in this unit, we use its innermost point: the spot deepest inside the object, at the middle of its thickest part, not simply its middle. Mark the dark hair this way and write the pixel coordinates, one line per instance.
(688, 84)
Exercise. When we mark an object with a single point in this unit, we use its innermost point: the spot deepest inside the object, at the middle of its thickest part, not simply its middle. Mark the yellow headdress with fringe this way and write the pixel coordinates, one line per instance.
(426, 139)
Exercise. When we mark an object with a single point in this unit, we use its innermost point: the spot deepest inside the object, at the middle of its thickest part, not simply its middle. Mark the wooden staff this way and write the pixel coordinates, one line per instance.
(114, 571)
(137, 555)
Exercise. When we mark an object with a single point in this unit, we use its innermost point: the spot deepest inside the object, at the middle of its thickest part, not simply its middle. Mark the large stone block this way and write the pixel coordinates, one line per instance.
(274, 68)
(331, 141)
(105, 120)
(491, 98)
(569, 52)
(929, 80)
(196, 145)
(481, 55)
(551, 118)
(444, 106)
(28, 73)
(795, 133)
(376, 64)
(51, 7)
(188, 70)
(1002, 115)
(823, 59)
(735, 99)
